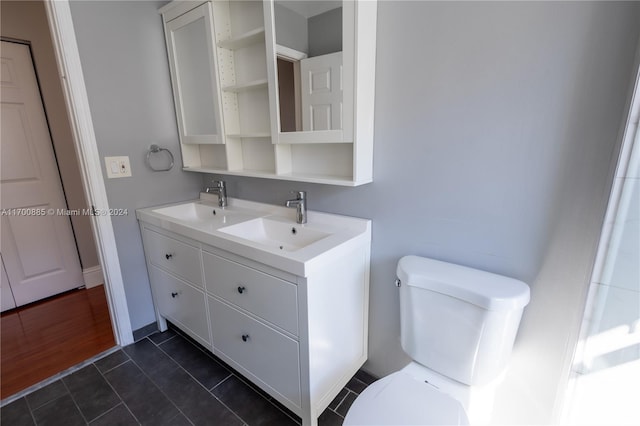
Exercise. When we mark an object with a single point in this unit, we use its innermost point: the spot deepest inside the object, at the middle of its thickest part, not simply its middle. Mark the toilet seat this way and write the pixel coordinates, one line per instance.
(400, 399)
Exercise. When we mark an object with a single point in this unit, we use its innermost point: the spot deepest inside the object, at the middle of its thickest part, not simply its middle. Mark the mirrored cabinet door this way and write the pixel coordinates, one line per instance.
(312, 49)
(190, 45)
(321, 57)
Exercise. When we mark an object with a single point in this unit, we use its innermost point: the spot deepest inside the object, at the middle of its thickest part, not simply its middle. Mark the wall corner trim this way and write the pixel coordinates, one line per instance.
(77, 103)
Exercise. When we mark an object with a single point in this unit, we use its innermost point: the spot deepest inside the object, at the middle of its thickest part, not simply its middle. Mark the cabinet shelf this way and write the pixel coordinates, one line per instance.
(322, 179)
(251, 85)
(243, 40)
(257, 135)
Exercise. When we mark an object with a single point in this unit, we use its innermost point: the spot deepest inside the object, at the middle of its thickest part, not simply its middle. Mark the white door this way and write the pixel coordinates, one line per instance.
(37, 243)
(322, 92)
(6, 297)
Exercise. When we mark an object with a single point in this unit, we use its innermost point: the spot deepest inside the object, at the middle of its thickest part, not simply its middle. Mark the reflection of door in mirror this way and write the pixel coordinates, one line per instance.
(308, 47)
(322, 92)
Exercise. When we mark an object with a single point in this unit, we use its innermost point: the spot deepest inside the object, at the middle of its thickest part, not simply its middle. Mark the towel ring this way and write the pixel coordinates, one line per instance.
(154, 149)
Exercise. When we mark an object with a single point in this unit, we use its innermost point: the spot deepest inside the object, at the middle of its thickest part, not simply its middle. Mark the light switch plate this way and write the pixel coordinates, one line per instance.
(117, 167)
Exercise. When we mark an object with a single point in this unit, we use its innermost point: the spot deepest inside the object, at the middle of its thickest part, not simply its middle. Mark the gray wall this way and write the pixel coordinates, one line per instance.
(291, 29)
(125, 68)
(325, 33)
(318, 35)
(496, 126)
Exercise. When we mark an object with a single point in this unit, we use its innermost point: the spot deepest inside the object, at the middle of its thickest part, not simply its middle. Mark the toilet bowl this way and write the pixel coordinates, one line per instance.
(458, 324)
(420, 396)
(402, 399)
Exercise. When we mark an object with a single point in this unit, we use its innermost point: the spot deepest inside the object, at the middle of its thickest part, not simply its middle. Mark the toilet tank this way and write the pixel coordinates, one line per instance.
(458, 321)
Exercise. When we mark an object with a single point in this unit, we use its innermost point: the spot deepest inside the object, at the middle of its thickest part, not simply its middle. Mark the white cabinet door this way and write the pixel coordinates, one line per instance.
(38, 247)
(268, 355)
(174, 256)
(322, 92)
(191, 45)
(268, 297)
(180, 303)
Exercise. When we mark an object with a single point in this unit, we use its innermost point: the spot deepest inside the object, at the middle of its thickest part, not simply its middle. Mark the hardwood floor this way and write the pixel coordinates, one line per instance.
(45, 338)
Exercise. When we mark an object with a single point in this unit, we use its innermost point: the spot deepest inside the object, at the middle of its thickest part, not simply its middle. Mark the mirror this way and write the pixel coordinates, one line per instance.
(193, 75)
(308, 48)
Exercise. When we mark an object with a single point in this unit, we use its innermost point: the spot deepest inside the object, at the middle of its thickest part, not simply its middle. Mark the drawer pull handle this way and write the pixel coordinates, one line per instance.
(168, 256)
(174, 295)
(245, 337)
(241, 289)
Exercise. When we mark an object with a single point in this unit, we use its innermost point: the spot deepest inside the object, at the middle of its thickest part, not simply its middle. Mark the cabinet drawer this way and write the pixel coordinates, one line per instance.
(180, 303)
(266, 353)
(270, 298)
(174, 256)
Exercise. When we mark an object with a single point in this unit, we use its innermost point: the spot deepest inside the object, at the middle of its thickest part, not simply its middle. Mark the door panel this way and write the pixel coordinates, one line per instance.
(37, 243)
(19, 165)
(322, 92)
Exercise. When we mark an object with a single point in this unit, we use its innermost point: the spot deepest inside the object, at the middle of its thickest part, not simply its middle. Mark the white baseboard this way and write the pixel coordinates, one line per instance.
(93, 276)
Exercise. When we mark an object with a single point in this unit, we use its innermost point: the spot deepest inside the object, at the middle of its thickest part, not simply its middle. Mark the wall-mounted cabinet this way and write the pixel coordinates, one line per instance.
(252, 102)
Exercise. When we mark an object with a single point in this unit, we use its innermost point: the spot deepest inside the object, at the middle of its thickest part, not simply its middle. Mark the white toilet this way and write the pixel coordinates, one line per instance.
(458, 324)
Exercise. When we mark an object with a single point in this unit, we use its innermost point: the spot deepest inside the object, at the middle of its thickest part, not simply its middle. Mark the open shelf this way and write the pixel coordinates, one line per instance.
(257, 135)
(244, 87)
(243, 40)
(322, 179)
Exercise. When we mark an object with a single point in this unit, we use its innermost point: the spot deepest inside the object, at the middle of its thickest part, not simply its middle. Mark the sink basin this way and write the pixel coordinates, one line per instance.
(198, 213)
(276, 233)
(264, 233)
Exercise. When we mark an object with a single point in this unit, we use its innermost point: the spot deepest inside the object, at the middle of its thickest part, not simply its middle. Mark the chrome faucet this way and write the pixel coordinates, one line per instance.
(300, 203)
(219, 188)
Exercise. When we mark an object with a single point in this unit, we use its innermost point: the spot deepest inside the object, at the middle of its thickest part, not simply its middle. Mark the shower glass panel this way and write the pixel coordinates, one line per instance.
(605, 378)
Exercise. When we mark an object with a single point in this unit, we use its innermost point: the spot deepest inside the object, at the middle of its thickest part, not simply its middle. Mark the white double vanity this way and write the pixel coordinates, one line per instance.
(283, 303)
(279, 90)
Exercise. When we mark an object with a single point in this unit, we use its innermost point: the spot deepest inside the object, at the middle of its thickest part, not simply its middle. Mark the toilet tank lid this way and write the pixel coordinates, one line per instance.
(490, 291)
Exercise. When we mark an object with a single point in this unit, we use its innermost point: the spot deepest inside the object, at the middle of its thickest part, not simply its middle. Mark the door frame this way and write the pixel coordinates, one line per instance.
(84, 140)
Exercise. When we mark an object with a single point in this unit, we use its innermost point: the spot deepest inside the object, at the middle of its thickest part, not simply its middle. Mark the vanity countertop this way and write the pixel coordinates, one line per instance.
(262, 232)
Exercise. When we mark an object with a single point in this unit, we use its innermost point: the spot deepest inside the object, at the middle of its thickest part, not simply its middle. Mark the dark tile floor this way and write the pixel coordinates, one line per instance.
(164, 379)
